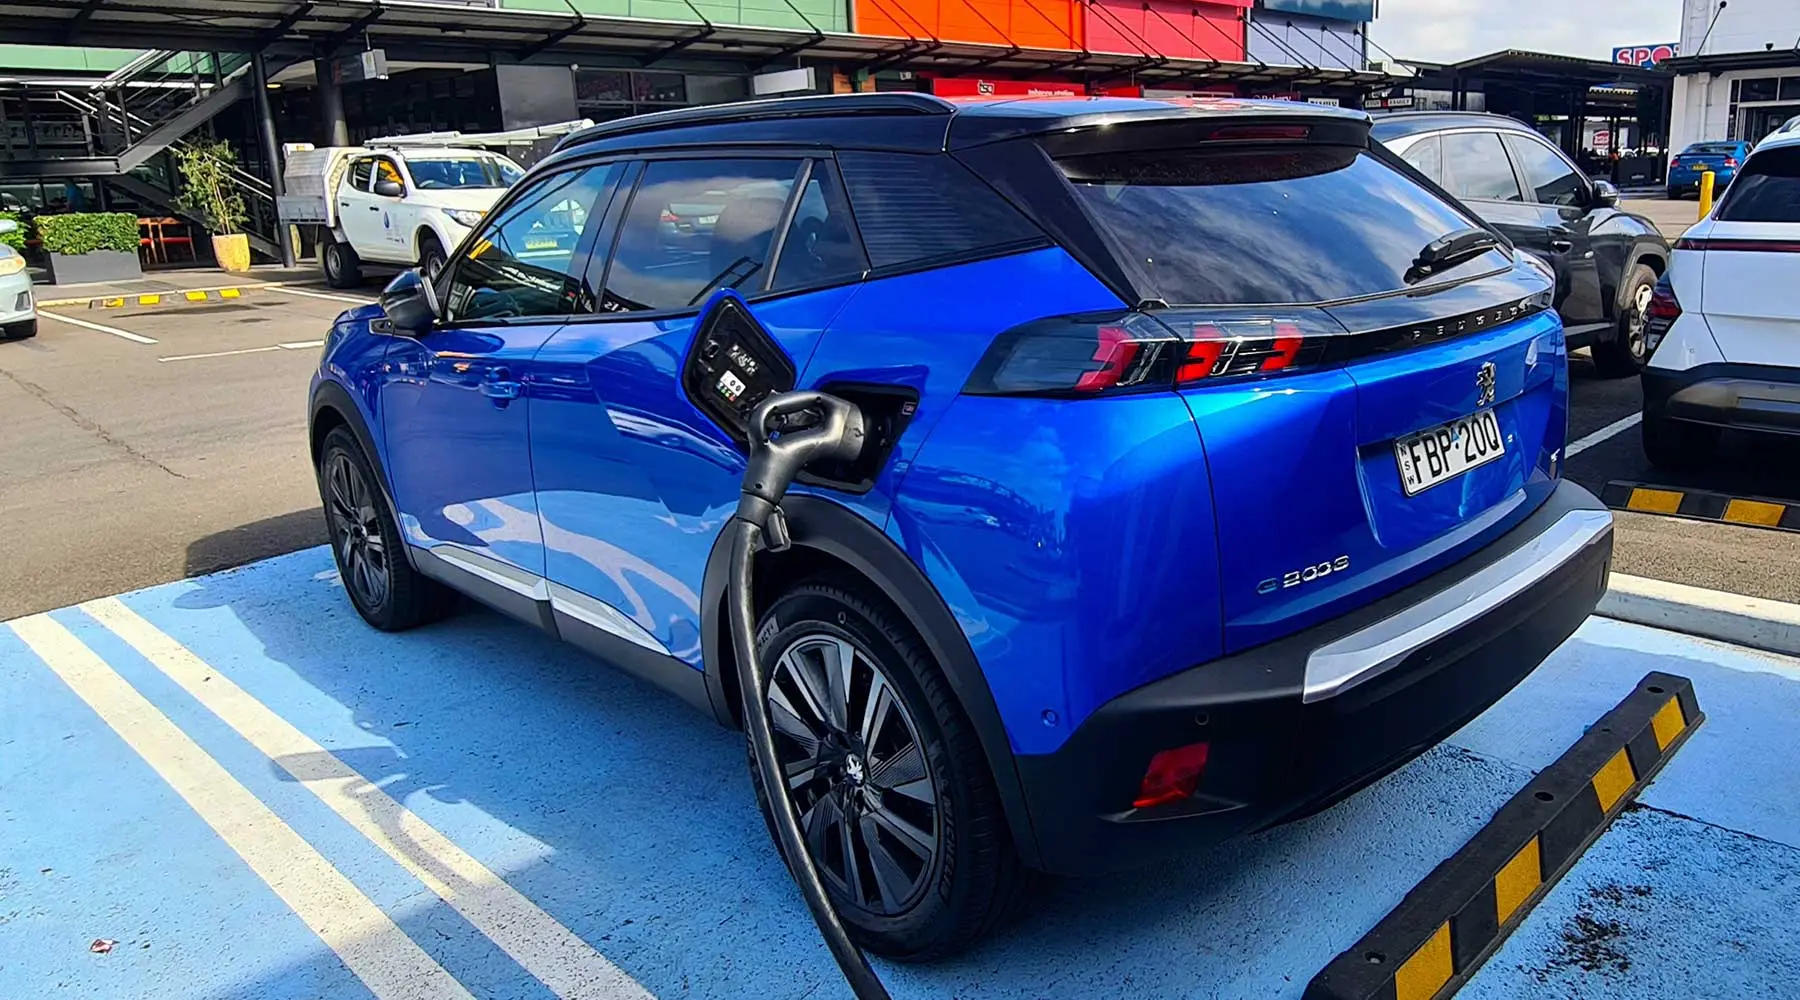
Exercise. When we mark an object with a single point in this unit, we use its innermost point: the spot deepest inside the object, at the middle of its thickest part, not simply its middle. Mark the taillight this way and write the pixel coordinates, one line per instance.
(1731, 161)
(1140, 351)
(1674, 162)
(668, 216)
(1660, 314)
(1173, 775)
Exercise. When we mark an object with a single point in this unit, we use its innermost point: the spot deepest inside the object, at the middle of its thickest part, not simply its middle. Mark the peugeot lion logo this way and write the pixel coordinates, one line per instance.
(1484, 384)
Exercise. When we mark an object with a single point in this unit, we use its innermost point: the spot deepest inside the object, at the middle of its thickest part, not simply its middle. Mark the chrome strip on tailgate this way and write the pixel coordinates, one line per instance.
(1344, 663)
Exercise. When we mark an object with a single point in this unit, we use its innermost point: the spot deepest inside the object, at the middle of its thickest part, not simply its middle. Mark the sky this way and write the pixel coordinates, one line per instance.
(1448, 30)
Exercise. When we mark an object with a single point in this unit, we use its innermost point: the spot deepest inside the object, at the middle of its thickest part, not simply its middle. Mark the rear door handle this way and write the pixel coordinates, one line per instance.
(374, 208)
(1560, 241)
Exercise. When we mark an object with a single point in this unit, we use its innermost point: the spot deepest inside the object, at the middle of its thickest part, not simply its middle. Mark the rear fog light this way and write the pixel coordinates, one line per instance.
(1172, 776)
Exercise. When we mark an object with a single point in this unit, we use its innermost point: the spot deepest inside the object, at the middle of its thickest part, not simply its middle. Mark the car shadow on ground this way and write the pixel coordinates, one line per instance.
(262, 539)
(628, 816)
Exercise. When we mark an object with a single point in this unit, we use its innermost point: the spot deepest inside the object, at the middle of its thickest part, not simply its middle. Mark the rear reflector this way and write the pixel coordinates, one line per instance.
(1172, 776)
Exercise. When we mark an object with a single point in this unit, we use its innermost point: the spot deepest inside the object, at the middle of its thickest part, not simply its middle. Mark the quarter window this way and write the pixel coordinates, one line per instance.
(1427, 157)
(524, 263)
(696, 226)
(821, 245)
(913, 208)
(1551, 177)
(1476, 167)
(360, 173)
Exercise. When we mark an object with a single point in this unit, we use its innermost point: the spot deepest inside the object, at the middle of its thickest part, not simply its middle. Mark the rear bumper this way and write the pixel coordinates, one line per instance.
(1300, 723)
(16, 304)
(1762, 398)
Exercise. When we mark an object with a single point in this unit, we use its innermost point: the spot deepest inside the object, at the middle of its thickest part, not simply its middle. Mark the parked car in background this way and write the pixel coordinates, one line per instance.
(1722, 158)
(1605, 260)
(18, 313)
(1725, 321)
(1214, 471)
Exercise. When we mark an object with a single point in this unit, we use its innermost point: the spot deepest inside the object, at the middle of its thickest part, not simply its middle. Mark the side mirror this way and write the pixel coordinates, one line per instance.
(8, 226)
(389, 189)
(1605, 194)
(411, 303)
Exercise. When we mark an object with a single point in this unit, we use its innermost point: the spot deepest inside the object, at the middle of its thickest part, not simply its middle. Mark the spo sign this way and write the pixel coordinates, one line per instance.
(1645, 55)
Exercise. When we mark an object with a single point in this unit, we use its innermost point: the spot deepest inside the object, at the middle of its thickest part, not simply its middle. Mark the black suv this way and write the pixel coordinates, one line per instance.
(1606, 260)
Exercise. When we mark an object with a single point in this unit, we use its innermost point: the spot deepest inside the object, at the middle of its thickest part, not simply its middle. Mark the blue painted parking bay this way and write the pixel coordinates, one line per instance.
(250, 794)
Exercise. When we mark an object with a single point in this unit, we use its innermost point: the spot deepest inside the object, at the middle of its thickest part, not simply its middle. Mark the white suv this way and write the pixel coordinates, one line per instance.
(1723, 324)
(18, 314)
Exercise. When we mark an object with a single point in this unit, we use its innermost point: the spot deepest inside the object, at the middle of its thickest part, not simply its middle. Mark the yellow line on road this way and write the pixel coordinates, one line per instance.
(566, 964)
(350, 924)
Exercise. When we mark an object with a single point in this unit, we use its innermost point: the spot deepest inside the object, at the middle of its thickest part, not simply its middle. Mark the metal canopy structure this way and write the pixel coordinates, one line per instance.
(1532, 84)
(447, 30)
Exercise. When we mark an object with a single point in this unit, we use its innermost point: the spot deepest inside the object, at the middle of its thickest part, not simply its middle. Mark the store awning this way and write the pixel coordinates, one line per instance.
(461, 29)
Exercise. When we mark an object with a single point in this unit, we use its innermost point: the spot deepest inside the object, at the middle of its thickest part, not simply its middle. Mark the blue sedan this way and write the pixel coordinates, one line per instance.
(1722, 158)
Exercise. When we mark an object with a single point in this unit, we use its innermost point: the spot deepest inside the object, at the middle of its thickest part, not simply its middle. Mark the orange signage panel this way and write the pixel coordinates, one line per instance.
(1030, 24)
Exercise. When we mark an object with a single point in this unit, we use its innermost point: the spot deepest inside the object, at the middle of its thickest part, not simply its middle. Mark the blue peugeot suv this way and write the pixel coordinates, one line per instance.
(1212, 467)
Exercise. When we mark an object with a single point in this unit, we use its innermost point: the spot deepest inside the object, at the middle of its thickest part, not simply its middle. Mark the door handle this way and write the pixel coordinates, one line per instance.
(374, 208)
(500, 386)
(1560, 240)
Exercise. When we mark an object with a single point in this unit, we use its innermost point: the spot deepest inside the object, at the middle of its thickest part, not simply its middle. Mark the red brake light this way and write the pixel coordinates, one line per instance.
(1731, 161)
(1675, 161)
(1660, 314)
(1115, 352)
(668, 216)
(1261, 132)
(1172, 776)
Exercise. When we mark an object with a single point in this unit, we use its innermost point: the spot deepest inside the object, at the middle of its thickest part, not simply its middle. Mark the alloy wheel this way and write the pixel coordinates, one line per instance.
(356, 534)
(1636, 321)
(856, 772)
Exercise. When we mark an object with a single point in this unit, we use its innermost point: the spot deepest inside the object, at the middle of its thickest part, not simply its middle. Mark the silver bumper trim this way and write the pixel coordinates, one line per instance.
(1346, 662)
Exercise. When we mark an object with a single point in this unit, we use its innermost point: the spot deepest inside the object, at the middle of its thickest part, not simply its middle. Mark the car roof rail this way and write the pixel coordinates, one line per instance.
(810, 106)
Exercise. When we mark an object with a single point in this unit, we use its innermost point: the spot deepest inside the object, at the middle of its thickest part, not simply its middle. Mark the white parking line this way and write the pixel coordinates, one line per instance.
(321, 295)
(374, 948)
(1583, 444)
(569, 966)
(136, 338)
(296, 345)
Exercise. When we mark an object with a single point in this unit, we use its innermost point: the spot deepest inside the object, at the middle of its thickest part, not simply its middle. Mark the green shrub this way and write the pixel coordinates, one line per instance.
(85, 232)
(207, 187)
(15, 239)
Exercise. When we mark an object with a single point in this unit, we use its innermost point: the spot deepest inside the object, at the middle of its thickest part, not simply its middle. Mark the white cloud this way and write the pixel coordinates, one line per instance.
(1451, 30)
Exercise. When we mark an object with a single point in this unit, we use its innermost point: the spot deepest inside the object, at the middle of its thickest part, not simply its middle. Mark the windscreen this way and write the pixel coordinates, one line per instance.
(1767, 189)
(1276, 224)
(462, 172)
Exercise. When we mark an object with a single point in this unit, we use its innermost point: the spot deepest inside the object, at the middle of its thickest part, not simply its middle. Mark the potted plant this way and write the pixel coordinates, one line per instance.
(209, 192)
(90, 246)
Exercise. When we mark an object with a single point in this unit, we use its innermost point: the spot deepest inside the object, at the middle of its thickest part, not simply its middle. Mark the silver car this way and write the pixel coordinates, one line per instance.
(18, 314)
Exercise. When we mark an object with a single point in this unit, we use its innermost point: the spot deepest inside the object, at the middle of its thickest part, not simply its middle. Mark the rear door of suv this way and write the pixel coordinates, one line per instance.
(1751, 265)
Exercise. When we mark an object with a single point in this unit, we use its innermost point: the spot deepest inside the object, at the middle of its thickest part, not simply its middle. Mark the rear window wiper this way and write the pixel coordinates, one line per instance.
(1450, 249)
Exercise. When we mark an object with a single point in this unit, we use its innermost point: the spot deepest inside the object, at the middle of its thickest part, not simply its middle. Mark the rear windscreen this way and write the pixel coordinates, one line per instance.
(1266, 224)
(1713, 149)
(1767, 189)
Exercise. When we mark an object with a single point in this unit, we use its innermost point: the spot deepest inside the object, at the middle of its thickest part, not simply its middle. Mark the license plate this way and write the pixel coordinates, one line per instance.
(1444, 452)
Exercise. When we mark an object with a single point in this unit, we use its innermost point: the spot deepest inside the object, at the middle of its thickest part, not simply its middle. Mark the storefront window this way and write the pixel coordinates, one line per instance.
(1759, 89)
(607, 94)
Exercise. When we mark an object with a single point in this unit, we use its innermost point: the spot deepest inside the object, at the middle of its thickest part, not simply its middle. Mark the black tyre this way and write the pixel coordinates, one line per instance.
(431, 257)
(1678, 446)
(382, 584)
(343, 268)
(891, 785)
(1628, 350)
(19, 331)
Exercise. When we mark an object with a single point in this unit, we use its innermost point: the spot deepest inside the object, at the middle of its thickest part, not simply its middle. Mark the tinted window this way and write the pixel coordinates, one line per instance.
(1767, 189)
(1551, 177)
(1427, 156)
(1272, 225)
(918, 208)
(695, 226)
(1713, 148)
(360, 172)
(821, 245)
(1476, 167)
(524, 262)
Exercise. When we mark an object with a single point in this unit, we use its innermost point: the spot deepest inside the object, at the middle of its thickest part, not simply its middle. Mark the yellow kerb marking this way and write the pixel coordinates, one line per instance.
(1614, 780)
(1754, 512)
(1668, 723)
(1425, 973)
(196, 296)
(1654, 501)
(1517, 880)
(229, 293)
(149, 300)
(112, 303)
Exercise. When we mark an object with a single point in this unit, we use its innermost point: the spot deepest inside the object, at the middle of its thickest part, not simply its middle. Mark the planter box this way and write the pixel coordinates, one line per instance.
(100, 265)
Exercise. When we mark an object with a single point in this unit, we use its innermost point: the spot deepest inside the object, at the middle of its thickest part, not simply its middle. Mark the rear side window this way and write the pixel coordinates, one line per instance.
(695, 226)
(913, 209)
(1476, 167)
(1767, 189)
(821, 246)
(1264, 225)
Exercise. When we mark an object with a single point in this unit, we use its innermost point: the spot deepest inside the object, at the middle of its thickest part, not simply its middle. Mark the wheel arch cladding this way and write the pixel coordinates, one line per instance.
(332, 407)
(829, 537)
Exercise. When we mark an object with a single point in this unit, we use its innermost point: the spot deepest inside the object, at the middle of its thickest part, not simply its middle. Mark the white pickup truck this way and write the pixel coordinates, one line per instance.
(402, 201)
